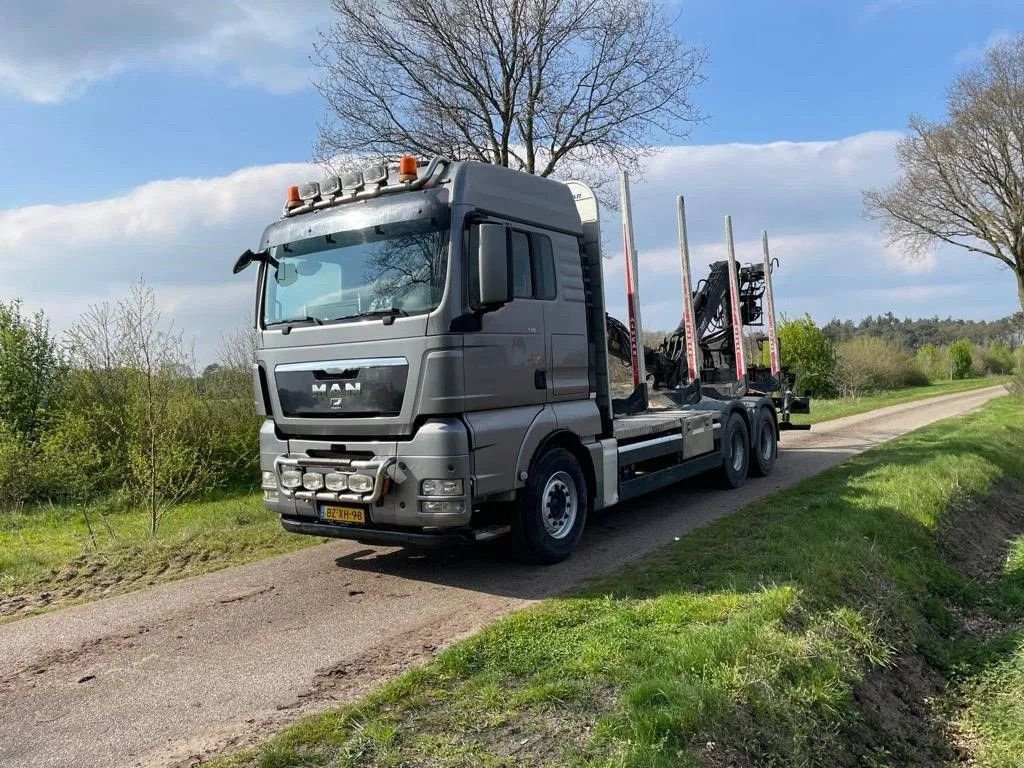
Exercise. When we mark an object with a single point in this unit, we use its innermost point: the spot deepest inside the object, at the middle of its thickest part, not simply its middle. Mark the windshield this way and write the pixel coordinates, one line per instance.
(396, 268)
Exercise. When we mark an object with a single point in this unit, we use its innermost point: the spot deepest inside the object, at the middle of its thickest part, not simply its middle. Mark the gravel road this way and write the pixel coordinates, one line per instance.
(174, 673)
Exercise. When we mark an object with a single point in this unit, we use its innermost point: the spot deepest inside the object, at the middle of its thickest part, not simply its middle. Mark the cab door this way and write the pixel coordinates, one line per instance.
(506, 359)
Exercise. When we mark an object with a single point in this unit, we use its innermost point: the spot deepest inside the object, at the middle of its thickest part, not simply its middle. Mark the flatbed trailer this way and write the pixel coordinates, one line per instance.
(434, 362)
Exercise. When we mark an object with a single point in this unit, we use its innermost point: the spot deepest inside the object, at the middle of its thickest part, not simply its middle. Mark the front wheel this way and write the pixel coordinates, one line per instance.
(552, 508)
(735, 452)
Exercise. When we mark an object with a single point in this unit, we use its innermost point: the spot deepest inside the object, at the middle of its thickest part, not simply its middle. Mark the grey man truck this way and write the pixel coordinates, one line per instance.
(434, 363)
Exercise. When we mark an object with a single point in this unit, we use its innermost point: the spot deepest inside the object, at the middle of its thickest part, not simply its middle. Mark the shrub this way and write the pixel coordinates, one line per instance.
(997, 359)
(17, 465)
(871, 364)
(960, 359)
(933, 362)
(31, 370)
(808, 353)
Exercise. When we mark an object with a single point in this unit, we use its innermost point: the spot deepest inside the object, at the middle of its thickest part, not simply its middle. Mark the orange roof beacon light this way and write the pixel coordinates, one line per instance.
(293, 201)
(407, 168)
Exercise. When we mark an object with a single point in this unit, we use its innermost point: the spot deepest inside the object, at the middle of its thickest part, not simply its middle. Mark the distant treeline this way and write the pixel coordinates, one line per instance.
(915, 334)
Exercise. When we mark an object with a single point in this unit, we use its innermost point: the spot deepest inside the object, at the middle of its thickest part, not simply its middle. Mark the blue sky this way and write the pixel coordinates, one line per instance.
(101, 113)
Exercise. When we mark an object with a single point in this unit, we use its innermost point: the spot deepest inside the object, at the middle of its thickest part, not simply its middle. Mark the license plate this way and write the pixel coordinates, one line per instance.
(354, 515)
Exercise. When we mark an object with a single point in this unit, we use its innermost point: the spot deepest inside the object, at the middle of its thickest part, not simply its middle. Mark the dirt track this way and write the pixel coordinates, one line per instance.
(164, 676)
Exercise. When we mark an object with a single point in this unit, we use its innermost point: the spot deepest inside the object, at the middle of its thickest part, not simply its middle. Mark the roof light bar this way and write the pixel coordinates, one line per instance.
(359, 185)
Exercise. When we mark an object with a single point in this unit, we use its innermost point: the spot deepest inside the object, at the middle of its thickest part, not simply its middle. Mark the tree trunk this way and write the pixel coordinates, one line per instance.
(1019, 272)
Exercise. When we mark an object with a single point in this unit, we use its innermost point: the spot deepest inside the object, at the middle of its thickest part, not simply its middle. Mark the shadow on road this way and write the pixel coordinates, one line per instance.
(612, 537)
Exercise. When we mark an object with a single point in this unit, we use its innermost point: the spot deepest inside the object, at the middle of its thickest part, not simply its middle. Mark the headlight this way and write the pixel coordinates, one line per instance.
(335, 481)
(441, 487)
(269, 480)
(291, 478)
(312, 481)
(360, 483)
(270, 495)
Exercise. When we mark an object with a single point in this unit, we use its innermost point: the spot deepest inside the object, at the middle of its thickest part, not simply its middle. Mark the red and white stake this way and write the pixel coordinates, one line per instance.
(769, 309)
(632, 289)
(689, 323)
(734, 304)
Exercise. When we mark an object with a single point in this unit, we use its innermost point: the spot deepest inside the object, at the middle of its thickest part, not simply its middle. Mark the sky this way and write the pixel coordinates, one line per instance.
(141, 138)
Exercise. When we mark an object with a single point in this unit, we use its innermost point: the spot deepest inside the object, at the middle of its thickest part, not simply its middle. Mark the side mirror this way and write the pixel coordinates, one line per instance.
(495, 286)
(249, 257)
(244, 261)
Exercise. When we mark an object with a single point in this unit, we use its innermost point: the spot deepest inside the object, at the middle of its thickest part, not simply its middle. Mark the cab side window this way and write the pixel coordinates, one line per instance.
(533, 265)
(522, 266)
(543, 267)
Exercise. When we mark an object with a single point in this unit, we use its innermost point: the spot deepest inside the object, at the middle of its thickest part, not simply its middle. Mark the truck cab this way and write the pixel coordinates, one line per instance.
(432, 365)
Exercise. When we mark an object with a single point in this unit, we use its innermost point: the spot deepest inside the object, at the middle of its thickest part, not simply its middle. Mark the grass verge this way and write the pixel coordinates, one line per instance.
(823, 409)
(816, 627)
(56, 555)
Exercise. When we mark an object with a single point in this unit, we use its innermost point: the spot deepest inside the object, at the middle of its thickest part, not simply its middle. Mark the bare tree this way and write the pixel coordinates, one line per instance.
(135, 380)
(528, 84)
(963, 179)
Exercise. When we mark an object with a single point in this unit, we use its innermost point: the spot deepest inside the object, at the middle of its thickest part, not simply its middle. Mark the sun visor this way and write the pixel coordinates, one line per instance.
(419, 204)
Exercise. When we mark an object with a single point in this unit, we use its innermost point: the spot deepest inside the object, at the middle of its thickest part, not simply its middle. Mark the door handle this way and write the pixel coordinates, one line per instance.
(540, 379)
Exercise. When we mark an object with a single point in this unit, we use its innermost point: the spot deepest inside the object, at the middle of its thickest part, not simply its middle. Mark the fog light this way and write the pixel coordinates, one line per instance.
(270, 495)
(431, 507)
(441, 487)
(360, 483)
(291, 478)
(335, 481)
(312, 481)
(269, 480)
(454, 507)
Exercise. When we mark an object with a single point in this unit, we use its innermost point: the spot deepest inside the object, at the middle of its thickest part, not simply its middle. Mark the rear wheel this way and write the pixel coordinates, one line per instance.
(552, 508)
(735, 452)
(766, 444)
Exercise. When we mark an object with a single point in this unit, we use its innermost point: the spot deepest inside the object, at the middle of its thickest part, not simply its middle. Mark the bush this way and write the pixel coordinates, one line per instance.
(17, 465)
(960, 359)
(997, 359)
(31, 370)
(234, 426)
(808, 353)
(933, 362)
(871, 364)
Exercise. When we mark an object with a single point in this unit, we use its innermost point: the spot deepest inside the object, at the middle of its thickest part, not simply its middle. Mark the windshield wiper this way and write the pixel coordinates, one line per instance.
(291, 322)
(388, 313)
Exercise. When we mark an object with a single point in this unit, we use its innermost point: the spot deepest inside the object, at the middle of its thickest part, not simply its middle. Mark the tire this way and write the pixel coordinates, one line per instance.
(735, 452)
(552, 509)
(765, 446)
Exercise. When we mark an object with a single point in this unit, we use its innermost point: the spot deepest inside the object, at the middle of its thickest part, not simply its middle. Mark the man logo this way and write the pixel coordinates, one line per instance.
(334, 391)
(322, 390)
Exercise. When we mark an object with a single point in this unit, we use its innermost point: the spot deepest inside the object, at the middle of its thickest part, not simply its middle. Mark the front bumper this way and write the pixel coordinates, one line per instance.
(438, 449)
(377, 536)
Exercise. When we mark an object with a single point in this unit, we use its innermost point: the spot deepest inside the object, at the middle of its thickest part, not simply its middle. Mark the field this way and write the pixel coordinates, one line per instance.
(52, 556)
(868, 616)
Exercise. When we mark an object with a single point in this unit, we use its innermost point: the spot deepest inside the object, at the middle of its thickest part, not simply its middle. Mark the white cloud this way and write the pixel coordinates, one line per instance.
(53, 49)
(183, 235)
(976, 51)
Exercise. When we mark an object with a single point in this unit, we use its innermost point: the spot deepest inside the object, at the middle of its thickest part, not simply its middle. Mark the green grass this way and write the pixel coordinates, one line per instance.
(741, 644)
(823, 409)
(54, 555)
